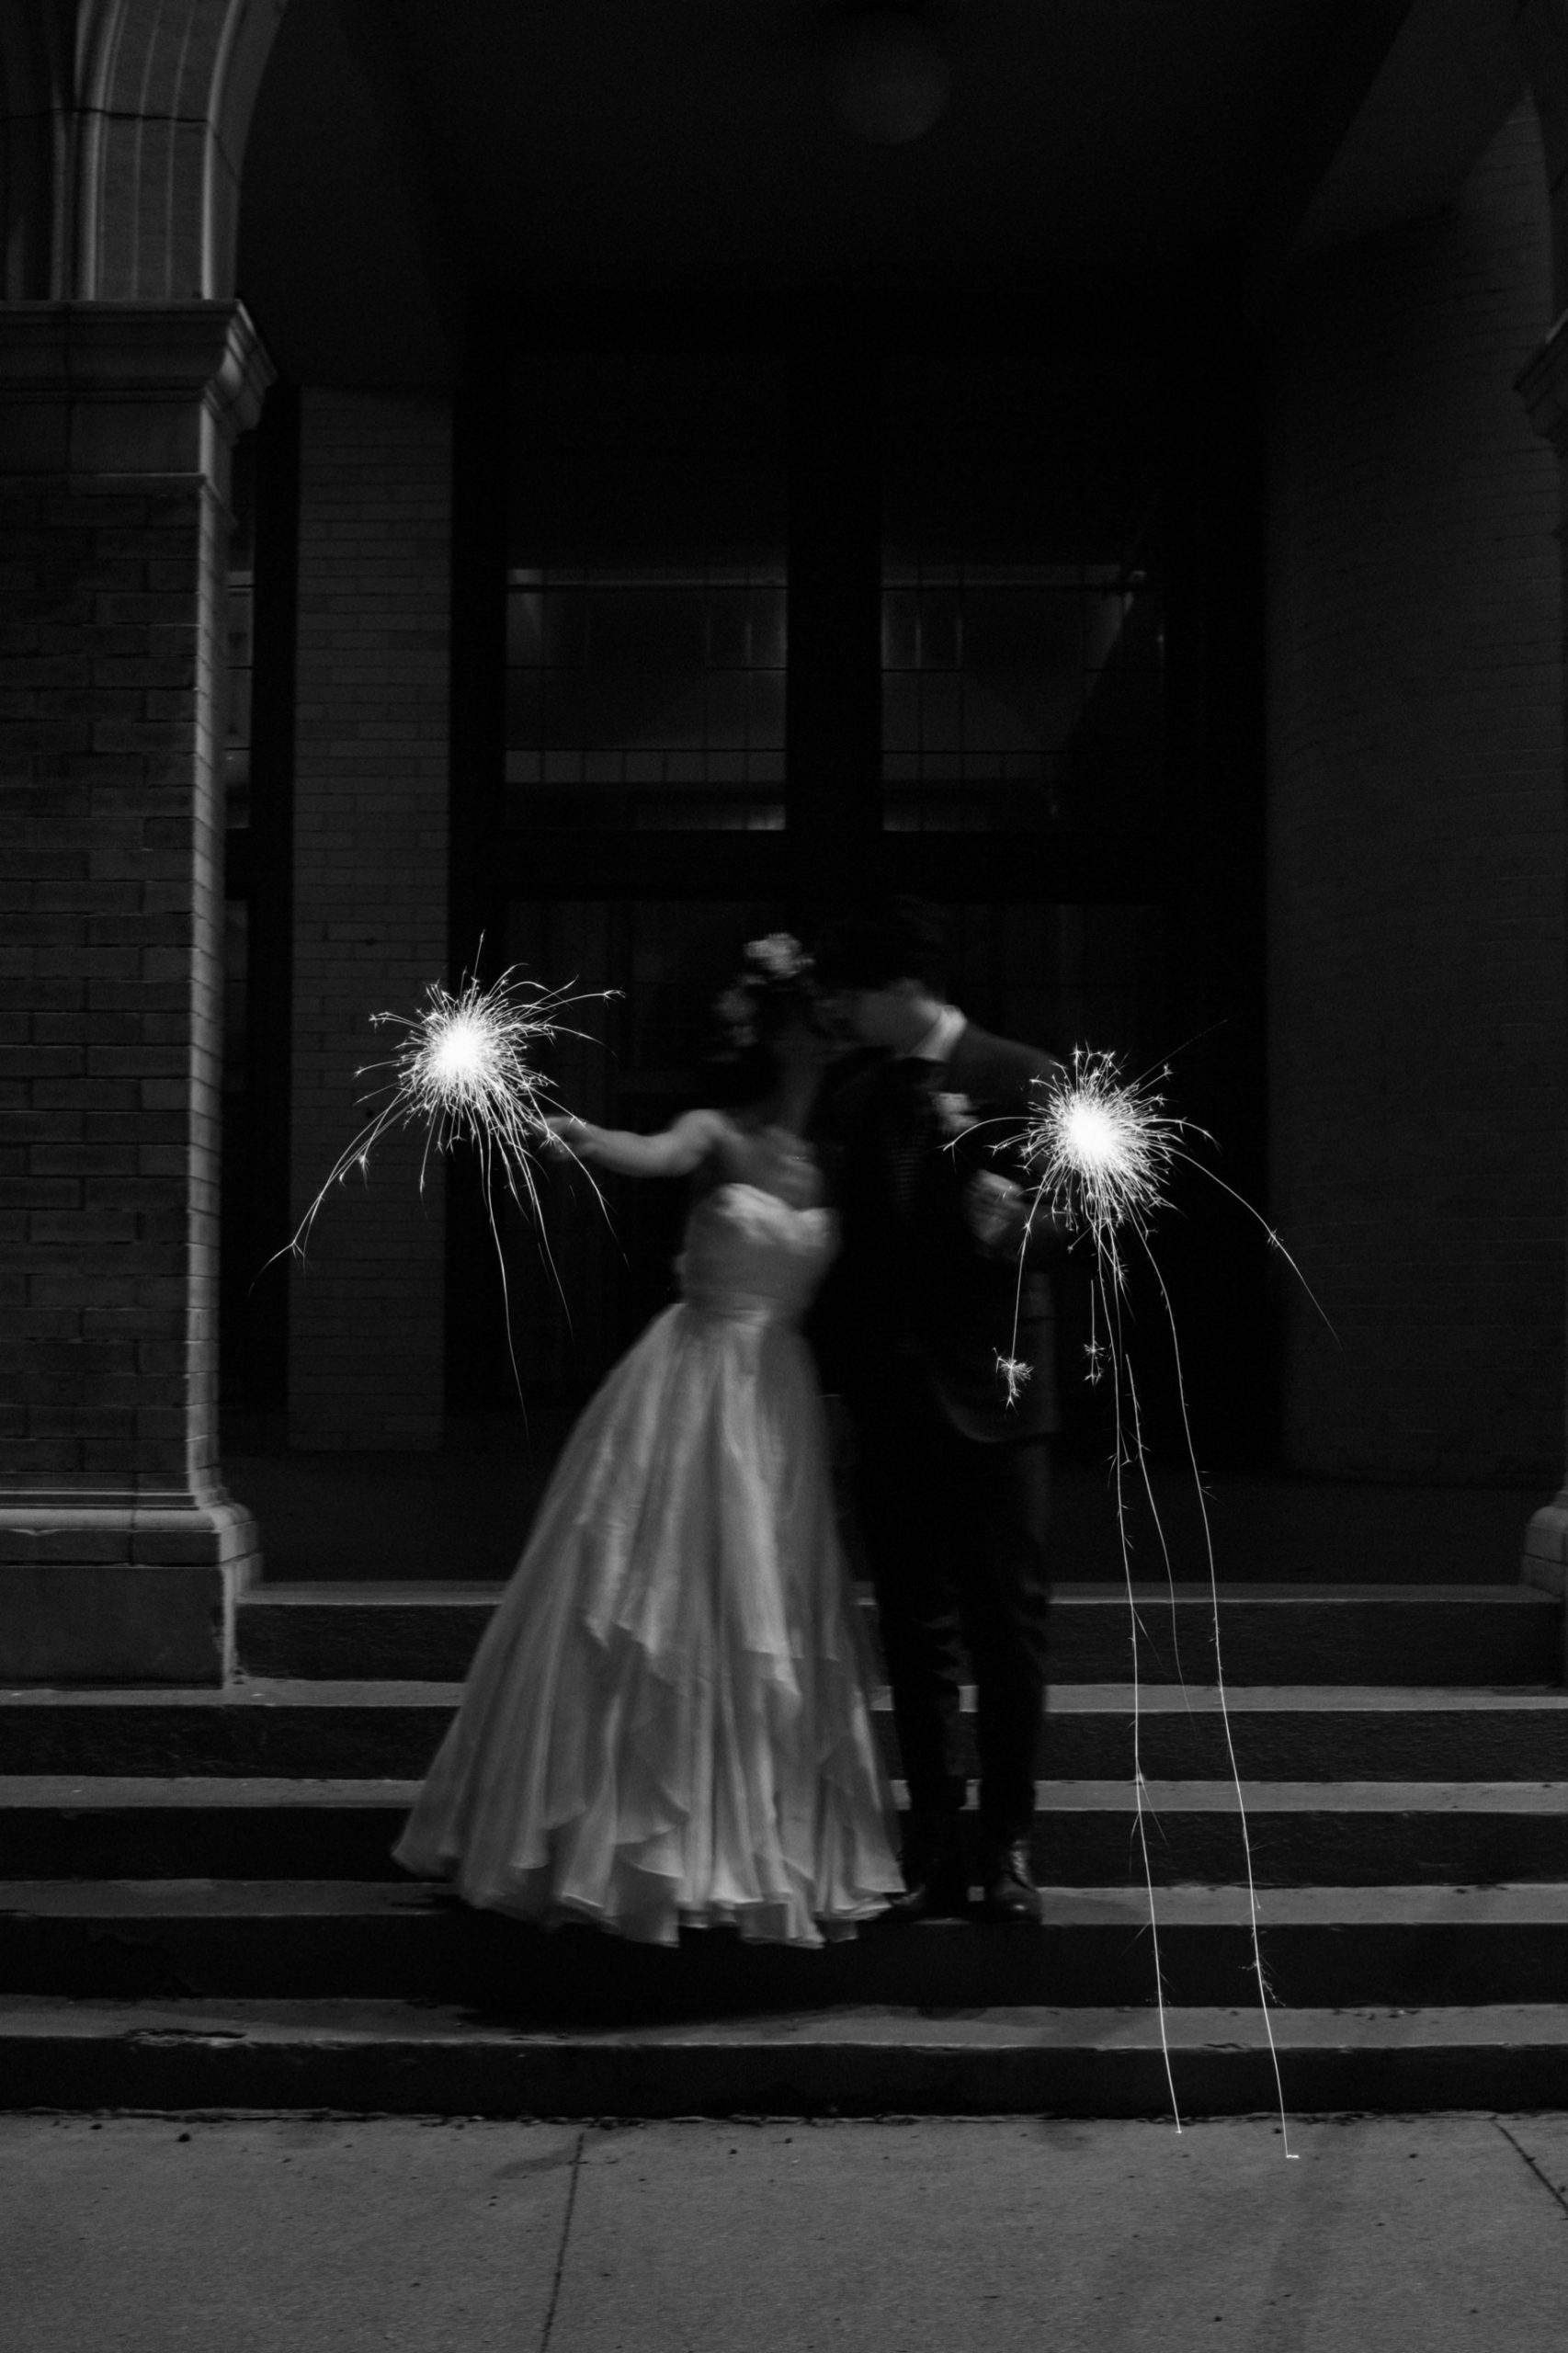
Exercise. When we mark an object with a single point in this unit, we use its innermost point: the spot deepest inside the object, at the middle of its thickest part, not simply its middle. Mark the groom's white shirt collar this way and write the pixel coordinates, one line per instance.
(936, 1046)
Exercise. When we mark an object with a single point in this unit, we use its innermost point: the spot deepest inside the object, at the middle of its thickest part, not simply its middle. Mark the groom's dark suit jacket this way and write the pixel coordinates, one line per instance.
(912, 1281)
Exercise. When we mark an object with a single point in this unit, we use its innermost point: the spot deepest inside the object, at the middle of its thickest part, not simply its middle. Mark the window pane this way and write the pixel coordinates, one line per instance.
(1021, 591)
(646, 587)
(1035, 687)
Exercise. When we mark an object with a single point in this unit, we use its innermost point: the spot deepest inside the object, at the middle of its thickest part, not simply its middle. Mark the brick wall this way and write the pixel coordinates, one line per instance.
(365, 1314)
(1417, 846)
(108, 1073)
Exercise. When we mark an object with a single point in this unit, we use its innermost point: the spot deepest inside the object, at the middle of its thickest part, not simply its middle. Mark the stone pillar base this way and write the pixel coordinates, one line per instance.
(1545, 1562)
(116, 1588)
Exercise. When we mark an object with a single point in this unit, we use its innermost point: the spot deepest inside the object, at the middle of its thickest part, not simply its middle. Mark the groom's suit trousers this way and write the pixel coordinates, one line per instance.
(955, 1530)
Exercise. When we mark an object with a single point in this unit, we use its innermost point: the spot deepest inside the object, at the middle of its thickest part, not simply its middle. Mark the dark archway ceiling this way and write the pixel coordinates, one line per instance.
(421, 168)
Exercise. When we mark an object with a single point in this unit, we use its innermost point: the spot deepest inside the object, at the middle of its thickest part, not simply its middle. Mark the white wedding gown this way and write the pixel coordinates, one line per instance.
(666, 1721)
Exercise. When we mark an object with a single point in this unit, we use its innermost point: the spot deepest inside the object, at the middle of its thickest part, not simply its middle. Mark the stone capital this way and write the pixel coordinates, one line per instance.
(1545, 1562)
(126, 389)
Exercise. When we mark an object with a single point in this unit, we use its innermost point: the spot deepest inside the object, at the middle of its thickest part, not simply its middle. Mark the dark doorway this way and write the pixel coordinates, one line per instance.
(763, 628)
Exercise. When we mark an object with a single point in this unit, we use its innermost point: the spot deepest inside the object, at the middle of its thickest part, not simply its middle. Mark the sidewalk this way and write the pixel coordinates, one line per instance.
(260, 2234)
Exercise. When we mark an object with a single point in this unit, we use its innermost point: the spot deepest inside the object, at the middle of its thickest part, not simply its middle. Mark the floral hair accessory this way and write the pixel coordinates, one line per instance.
(773, 962)
(780, 957)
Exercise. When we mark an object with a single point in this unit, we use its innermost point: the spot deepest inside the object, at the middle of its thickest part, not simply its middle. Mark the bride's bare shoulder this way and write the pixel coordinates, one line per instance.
(713, 1140)
(717, 1130)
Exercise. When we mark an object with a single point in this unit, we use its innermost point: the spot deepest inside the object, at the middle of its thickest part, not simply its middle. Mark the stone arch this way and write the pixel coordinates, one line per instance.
(124, 124)
(1542, 29)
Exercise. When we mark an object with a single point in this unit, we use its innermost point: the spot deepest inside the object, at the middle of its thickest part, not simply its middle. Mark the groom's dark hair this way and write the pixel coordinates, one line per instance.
(899, 940)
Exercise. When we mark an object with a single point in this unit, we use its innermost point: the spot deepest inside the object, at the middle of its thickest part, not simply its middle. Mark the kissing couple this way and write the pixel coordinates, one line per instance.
(668, 1723)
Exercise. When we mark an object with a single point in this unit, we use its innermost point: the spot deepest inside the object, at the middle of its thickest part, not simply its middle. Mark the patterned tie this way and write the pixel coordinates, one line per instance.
(909, 1127)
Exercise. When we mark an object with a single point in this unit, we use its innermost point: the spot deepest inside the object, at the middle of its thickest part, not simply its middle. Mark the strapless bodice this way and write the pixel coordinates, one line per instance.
(749, 1256)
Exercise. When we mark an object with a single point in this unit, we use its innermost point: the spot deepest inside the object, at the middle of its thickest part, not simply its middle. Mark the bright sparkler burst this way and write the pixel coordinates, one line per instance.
(465, 1069)
(1100, 1150)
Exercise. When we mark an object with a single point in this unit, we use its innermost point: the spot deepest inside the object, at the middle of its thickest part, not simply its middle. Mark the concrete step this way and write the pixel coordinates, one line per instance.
(1482, 1634)
(380, 2058)
(1354, 1833)
(320, 1729)
(1324, 1948)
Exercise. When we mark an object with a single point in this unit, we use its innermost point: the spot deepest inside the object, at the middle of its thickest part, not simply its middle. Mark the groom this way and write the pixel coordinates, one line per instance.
(942, 1346)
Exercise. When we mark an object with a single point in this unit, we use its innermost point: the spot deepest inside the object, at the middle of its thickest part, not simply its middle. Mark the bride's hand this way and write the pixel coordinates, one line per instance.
(565, 1132)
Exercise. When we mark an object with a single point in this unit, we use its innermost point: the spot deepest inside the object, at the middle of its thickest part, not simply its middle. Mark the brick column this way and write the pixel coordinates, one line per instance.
(1543, 386)
(119, 1551)
(367, 1363)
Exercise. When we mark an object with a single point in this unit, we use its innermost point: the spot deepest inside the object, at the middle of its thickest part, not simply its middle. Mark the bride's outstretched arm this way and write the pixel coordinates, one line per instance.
(677, 1151)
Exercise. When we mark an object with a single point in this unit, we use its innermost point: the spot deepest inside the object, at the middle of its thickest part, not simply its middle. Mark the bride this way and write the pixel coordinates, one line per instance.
(667, 1722)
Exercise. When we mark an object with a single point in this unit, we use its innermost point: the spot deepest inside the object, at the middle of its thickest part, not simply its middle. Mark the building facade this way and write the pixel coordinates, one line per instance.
(563, 491)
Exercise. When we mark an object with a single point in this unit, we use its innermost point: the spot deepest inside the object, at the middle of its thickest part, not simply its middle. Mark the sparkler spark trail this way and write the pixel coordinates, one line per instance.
(465, 1070)
(1101, 1151)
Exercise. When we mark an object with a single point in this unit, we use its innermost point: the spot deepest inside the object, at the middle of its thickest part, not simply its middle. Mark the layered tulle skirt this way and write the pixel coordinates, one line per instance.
(667, 1721)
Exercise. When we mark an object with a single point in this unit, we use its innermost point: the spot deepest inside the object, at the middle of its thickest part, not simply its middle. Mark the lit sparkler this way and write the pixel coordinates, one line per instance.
(466, 1071)
(1100, 1151)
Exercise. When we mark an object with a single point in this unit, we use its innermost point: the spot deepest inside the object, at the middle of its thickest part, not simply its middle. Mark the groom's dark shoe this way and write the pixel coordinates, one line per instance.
(1010, 1894)
(936, 1882)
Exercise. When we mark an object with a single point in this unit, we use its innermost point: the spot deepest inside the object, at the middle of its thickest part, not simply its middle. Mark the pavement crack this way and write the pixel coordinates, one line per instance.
(561, 2250)
(1550, 2187)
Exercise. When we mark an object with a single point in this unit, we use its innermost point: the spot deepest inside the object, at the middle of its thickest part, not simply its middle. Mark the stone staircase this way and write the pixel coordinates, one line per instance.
(197, 1907)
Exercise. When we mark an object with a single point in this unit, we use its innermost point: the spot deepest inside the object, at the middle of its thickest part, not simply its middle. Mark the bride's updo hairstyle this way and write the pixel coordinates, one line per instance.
(772, 989)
